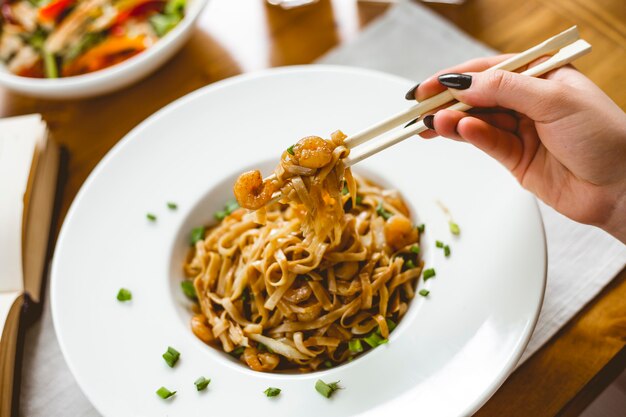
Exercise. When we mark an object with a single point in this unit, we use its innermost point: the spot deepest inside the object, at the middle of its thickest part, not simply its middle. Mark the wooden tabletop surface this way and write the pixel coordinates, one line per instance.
(247, 35)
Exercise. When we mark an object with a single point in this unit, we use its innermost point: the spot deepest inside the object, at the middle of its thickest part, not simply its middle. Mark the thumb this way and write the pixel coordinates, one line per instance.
(537, 98)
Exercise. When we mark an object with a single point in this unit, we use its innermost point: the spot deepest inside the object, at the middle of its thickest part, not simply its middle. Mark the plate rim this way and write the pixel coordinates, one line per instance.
(118, 147)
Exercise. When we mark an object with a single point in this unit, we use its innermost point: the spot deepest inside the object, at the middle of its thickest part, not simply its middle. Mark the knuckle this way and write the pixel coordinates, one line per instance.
(500, 80)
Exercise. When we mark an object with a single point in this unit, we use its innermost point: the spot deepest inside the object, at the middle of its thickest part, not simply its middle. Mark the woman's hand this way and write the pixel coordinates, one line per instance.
(561, 137)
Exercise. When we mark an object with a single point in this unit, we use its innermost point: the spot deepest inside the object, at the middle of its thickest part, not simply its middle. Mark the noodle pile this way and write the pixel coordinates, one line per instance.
(312, 280)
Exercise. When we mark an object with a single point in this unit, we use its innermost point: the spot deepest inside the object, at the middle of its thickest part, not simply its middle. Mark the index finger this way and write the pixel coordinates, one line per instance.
(431, 86)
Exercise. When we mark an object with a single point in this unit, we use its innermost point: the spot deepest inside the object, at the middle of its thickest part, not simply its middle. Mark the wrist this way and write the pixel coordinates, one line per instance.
(616, 221)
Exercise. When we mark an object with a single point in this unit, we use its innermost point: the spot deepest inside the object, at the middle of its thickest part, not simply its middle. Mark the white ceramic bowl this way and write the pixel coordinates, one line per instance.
(114, 77)
(450, 352)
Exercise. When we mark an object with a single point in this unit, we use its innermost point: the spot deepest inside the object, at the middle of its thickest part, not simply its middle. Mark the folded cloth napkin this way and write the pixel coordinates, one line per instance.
(413, 42)
(582, 259)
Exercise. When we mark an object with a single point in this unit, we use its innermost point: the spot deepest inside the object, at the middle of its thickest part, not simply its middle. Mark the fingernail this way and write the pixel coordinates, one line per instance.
(410, 95)
(428, 121)
(456, 81)
(412, 122)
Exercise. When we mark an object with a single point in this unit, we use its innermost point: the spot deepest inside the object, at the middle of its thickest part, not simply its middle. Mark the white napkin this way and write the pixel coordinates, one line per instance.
(414, 42)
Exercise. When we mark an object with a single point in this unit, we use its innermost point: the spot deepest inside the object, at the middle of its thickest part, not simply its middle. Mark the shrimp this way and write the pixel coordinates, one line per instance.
(200, 328)
(313, 152)
(399, 232)
(251, 191)
(264, 361)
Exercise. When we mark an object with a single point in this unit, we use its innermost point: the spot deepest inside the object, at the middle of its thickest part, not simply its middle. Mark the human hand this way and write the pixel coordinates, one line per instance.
(561, 137)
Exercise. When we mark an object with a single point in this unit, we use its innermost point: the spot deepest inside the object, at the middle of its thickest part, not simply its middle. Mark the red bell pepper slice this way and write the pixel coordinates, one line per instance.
(53, 10)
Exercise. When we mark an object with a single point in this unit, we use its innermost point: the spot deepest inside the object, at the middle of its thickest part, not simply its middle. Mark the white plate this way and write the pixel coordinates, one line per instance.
(448, 355)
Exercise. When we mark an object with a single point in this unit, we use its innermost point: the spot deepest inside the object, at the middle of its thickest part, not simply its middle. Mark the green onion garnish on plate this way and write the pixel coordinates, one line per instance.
(171, 205)
(165, 393)
(326, 389)
(272, 392)
(124, 295)
(424, 293)
(429, 273)
(201, 383)
(152, 217)
(454, 228)
(171, 356)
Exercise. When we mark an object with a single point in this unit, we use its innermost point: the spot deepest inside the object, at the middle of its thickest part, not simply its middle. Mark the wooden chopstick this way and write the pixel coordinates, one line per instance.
(566, 55)
(546, 47)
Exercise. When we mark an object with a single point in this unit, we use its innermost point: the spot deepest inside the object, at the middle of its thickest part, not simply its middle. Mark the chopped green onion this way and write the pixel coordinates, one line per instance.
(171, 205)
(231, 205)
(345, 190)
(171, 356)
(446, 251)
(328, 364)
(439, 243)
(237, 352)
(197, 234)
(424, 293)
(382, 212)
(375, 340)
(124, 295)
(429, 273)
(415, 249)
(272, 392)
(290, 150)
(151, 217)
(454, 228)
(189, 289)
(50, 65)
(409, 264)
(326, 389)
(201, 383)
(359, 199)
(165, 393)
(391, 325)
(421, 228)
(355, 346)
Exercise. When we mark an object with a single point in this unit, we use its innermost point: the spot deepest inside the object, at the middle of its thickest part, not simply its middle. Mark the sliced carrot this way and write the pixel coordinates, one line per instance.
(111, 51)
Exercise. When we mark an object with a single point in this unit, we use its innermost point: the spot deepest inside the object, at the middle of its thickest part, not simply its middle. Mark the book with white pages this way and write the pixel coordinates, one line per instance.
(29, 166)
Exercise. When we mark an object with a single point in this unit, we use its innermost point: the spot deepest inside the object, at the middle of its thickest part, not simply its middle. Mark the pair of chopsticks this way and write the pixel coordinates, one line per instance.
(562, 49)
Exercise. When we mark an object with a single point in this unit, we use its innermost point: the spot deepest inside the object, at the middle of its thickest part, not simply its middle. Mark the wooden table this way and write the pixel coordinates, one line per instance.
(240, 36)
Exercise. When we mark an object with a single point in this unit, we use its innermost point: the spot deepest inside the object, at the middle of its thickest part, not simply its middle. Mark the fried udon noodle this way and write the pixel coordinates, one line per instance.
(310, 281)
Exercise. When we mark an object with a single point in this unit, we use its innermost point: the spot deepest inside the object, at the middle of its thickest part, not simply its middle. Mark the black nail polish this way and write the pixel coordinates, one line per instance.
(428, 121)
(456, 81)
(410, 95)
(412, 122)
